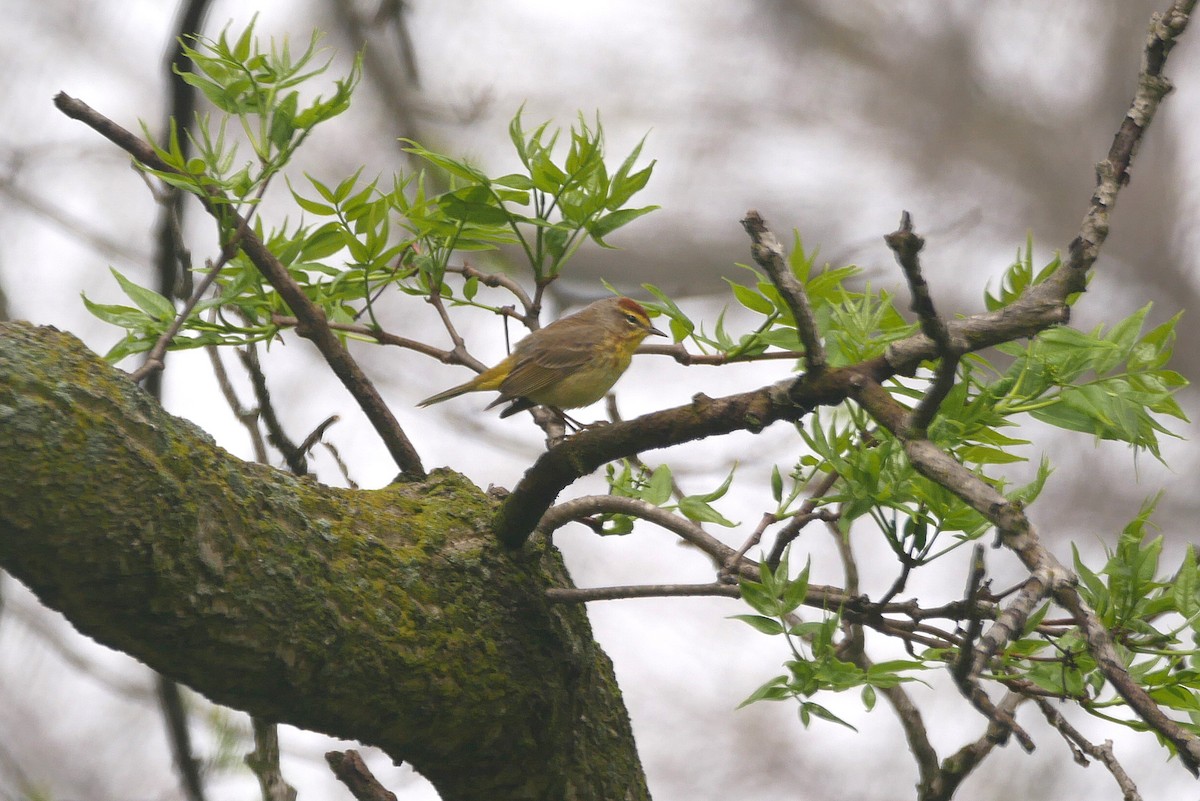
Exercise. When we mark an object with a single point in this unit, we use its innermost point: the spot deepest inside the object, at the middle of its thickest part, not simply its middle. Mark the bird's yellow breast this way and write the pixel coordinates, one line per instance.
(587, 384)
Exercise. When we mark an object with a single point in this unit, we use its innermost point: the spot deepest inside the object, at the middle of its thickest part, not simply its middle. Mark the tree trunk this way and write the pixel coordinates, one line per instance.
(388, 616)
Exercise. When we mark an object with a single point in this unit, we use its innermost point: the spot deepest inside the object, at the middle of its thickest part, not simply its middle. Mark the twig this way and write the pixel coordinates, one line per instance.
(313, 325)
(349, 767)
(905, 244)
(1018, 534)
(804, 515)
(562, 595)
(563, 513)
(956, 767)
(384, 338)
(294, 457)
(963, 665)
(263, 761)
(1011, 622)
(154, 359)
(337, 459)
(1080, 746)
(496, 280)
(312, 439)
(170, 700)
(910, 719)
(855, 642)
(768, 253)
(768, 519)
(681, 354)
(459, 352)
(247, 417)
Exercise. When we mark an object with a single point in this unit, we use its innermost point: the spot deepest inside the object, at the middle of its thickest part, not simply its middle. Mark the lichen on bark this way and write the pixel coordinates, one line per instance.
(388, 616)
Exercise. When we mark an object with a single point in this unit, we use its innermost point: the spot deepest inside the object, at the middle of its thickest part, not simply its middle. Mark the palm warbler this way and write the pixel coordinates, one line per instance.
(568, 364)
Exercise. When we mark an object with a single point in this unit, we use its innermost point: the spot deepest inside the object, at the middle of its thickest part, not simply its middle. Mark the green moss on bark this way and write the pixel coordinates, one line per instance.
(389, 616)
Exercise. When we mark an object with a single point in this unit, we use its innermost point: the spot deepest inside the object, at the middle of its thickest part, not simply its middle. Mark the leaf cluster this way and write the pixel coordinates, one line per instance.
(815, 664)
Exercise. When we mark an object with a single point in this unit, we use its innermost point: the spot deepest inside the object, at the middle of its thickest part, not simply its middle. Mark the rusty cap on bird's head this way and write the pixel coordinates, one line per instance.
(631, 306)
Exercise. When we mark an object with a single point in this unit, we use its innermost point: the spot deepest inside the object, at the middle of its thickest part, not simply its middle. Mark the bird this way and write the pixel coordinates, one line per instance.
(569, 364)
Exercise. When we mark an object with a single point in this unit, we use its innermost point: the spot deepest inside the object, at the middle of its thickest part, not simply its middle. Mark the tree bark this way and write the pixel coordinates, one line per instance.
(390, 616)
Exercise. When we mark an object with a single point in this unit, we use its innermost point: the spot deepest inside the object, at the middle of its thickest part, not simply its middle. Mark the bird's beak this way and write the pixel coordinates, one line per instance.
(656, 332)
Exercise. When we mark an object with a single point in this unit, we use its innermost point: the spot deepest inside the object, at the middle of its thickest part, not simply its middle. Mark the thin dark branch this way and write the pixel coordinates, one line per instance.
(805, 515)
(910, 719)
(956, 767)
(170, 699)
(1047, 574)
(562, 595)
(1080, 746)
(906, 245)
(263, 761)
(384, 338)
(577, 508)
(293, 456)
(769, 255)
(247, 417)
(172, 262)
(154, 359)
(312, 439)
(349, 767)
(681, 354)
(342, 468)
(768, 519)
(497, 280)
(313, 325)
(963, 665)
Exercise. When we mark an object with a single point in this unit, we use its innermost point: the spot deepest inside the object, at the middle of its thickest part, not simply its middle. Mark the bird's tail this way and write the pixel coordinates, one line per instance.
(453, 392)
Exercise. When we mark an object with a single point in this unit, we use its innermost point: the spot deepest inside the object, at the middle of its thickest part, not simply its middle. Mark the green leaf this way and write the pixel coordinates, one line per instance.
(514, 181)
(122, 316)
(147, 300)
(454, 167)
(816, 710)
(324, 242)
(775, 689)
(605, 225)
(1096, 592)
(751, 299)
(698, 511)
(795, 592)
(283, 122)
(720, 491)
(758, 597)
(1185, 590)
(658, 487)
(766, 625)
(313, 207)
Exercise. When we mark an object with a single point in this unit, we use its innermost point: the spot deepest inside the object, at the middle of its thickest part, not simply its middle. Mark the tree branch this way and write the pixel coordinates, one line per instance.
(563, 595)
(1080, 745)
(386, 616)
(263, 761)
(313, 325)
(349, 767)
(769, 255)
(1017, 533)
(906, 245)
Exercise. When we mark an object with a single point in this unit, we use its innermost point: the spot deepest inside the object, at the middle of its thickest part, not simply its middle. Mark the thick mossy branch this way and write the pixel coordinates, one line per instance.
(391, 616)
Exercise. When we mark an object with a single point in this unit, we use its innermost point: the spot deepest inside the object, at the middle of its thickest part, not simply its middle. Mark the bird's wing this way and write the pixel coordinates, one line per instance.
(536, 371)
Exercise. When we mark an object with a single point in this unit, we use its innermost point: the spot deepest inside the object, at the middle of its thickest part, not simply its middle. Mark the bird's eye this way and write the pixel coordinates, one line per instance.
(632, 320)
